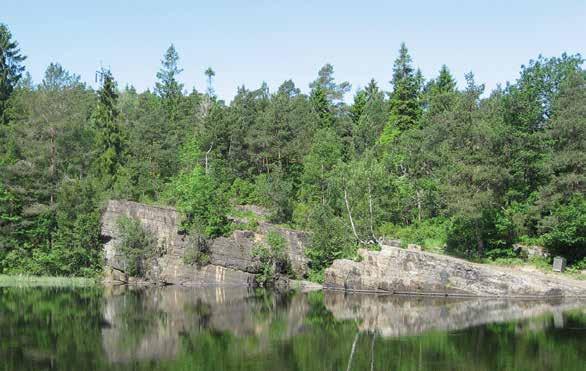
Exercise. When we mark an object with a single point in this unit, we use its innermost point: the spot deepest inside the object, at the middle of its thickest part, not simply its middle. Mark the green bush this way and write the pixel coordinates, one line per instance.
(272, 257)
(430, 234)
(137, 245)
(197, 251)
(564, 231)
(201, 199)
(243, 192)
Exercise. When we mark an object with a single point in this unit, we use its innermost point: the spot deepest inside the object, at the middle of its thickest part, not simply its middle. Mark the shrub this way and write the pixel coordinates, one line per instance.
(197, 251)
(272, 257)
(137, 245)
(565, 230)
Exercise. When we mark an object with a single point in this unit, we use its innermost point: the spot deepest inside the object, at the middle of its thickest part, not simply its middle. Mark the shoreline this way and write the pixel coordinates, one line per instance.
(24, 281)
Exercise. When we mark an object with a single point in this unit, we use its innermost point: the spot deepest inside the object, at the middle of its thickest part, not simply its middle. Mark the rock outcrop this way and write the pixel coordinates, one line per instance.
(231, 262)
(401, 271)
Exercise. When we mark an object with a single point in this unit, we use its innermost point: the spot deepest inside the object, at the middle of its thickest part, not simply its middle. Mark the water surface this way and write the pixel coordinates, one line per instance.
(175, 328)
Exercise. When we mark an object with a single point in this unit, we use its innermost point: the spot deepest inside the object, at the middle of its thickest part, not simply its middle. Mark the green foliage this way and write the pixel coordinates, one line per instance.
(243, 192)
(405, 104)
(136, 244)
(273, 258)
(109, 139)
(431, 234)
(197, 251)
(198, 195)
(11, 68)
(564, 231)
(330, 239)
(428, 163)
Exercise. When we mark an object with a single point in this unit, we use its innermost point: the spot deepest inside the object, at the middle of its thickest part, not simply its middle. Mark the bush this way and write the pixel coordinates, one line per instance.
(431, 234)
(243, 192)
(197, 252)
(565, 230)
(137, 245)
(272, 257)
(201, 199)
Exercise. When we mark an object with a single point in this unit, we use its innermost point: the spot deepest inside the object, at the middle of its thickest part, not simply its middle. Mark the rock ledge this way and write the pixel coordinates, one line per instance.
(400, 271)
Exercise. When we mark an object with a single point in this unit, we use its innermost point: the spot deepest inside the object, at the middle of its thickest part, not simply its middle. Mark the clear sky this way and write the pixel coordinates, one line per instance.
(247, 42)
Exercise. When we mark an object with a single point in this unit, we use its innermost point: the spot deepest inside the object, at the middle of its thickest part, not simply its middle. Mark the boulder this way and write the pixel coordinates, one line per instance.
(402, 271)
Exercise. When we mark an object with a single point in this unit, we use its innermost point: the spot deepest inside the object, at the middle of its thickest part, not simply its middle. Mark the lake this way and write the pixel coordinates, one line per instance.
(172, 328)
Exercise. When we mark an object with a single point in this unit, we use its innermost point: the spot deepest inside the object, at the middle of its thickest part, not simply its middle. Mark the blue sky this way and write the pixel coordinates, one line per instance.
(247, 42)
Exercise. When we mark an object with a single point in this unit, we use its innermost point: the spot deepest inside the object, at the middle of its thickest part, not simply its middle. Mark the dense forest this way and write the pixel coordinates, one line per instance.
(462, 171)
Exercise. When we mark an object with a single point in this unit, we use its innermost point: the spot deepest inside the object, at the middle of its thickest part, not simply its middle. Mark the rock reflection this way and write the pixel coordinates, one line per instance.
(392, 315)
(149, 323)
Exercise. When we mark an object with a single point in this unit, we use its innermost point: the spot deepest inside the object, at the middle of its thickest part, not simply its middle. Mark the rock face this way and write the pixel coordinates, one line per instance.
(231, 260)
(400, 271)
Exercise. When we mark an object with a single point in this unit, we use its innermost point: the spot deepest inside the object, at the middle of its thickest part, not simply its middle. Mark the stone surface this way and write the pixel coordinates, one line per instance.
(231, 258)
(529, 252)
(559, 264)
(396, 270)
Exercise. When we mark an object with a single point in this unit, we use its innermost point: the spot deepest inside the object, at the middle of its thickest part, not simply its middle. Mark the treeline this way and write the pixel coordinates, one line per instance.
(452, 169)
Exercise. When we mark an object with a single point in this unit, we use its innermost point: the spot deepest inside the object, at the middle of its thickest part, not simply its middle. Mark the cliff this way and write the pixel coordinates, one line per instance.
(231, 260)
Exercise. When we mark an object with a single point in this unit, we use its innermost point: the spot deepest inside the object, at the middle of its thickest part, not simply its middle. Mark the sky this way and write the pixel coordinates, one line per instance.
(248, 42)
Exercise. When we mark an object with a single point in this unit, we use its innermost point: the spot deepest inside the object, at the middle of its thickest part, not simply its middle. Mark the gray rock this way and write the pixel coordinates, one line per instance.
(396, 270)
(559, 264)
(231, 258)
(529, 252)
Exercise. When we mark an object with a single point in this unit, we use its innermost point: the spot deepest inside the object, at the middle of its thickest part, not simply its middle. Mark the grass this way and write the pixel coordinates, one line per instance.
(44, 281)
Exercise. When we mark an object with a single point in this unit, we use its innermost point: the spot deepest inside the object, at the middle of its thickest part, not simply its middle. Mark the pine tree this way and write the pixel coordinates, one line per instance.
(110, 140)
(325, 80)
(405, 104)
(11, 68)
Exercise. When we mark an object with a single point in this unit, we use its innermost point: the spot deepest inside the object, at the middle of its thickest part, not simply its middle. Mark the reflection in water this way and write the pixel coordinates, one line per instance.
(240, 329)
(392, 315)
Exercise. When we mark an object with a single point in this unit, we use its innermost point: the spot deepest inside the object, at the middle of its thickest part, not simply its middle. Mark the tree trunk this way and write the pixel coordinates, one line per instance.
(350, 216)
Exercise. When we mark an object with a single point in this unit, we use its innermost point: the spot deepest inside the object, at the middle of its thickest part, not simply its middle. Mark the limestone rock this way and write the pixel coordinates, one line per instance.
(396, 270)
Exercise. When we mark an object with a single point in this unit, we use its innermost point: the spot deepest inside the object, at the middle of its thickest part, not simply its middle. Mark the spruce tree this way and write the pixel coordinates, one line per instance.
(168, 88)
(11, 68)
(110, 140)
(321, 105)
(405, 104)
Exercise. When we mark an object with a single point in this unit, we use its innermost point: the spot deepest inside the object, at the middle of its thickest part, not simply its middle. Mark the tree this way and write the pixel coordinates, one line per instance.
(110, 141)
(440, 94)
(359, 105)
(210, 73)
(334, 92)
(11, 68)
(561, 201)
(168, 87)
(322, 107)
(405, 104)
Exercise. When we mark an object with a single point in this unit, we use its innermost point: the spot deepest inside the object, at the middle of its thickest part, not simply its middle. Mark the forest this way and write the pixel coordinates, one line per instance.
(460, 171)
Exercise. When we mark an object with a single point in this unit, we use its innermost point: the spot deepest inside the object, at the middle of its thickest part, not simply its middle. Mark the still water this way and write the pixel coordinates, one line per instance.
(237, 329)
